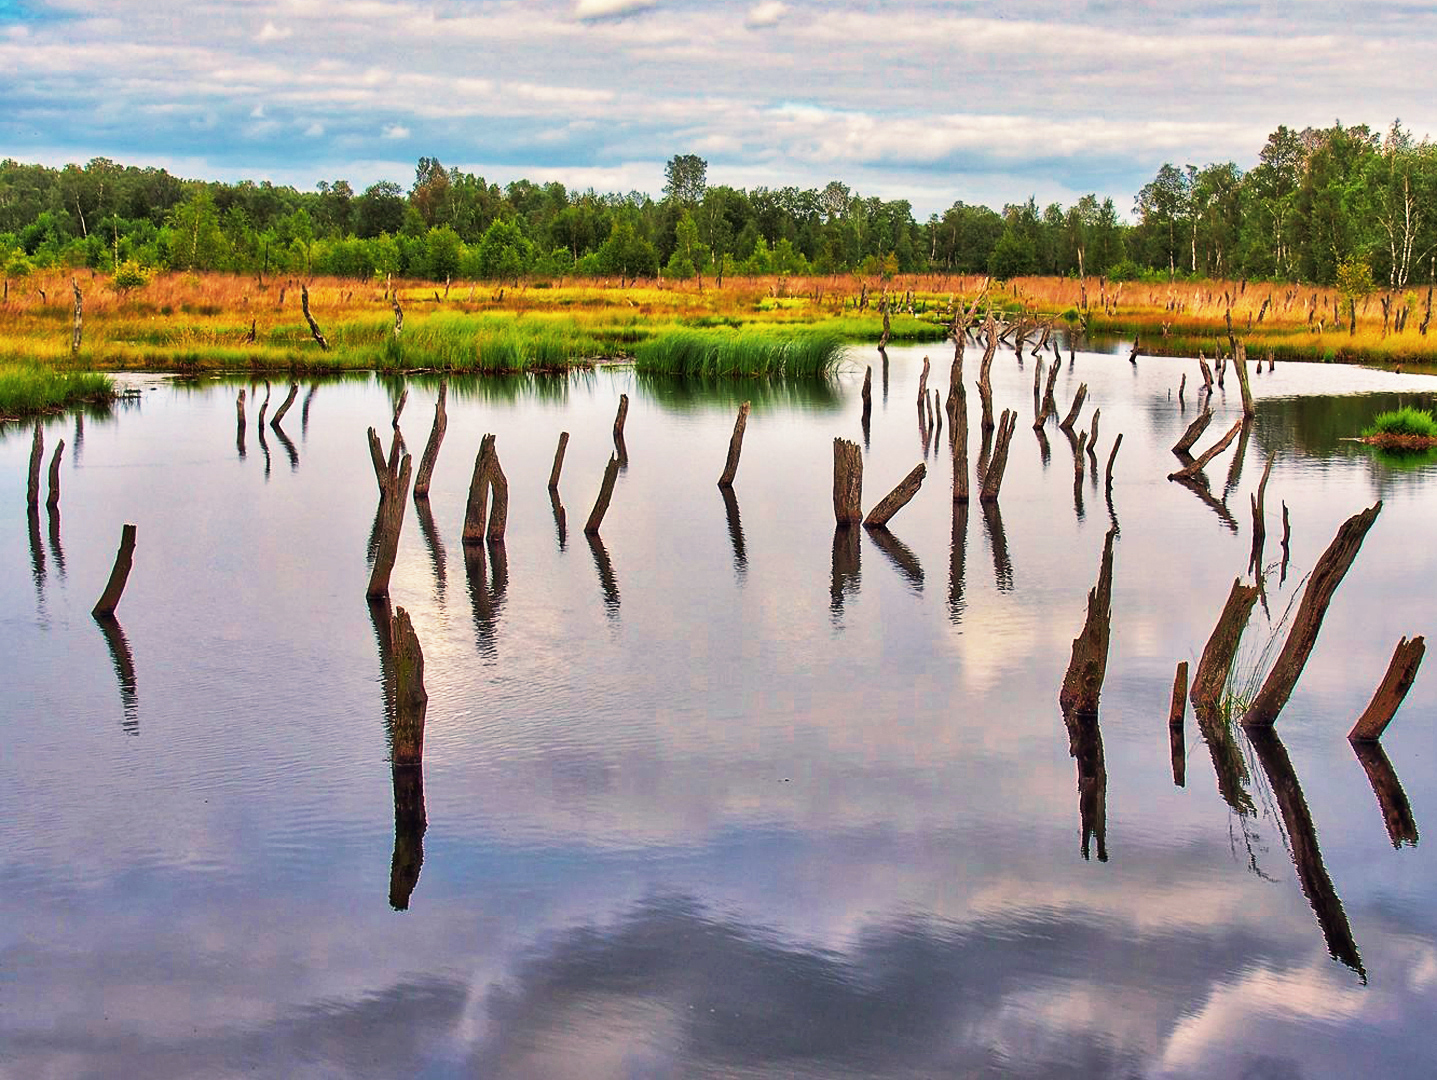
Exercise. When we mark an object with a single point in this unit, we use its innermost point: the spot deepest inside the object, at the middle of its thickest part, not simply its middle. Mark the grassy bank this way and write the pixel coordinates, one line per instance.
(31, 389)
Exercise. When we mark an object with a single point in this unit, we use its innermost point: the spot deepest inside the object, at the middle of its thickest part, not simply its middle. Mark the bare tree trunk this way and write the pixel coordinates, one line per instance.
(735, 447)
(847, 482)
(1401, 673)
(993, 477)
(1178, 708)
(1071, 418)
(53, 500)
(1083, 683)
(1112, 457)
(391, 521)
(499, 485)
(1239, 363)
(79, 318)
(1193, 433)
(897, 499)
(1326, 576)
(119, 575)
(410, 699)
(313, 326)
(476, 508)
(399, 406)
(431, 448)
(959, 399)
(37, 458)
(606, 492)
(1217, 655)
(558, 461)
(1217, 448)
(284, 405)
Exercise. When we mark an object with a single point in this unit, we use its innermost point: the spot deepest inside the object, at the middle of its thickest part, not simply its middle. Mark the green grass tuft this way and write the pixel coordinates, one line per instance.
(1404, 421)
(30, 389)
(729, 353)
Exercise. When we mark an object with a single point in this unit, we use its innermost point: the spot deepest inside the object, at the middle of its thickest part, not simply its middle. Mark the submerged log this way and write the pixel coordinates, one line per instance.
(735, 446)
(37, 458)
(410, 698)
(119, 575)
(1071, 418)
(313, 326)
(896, 499)
(847, 482)
(431, 448)
(606, 492)
(1217, 655)
(1193, 433)
(1391, 691)
(52, 501)
(558, 465)
(1083, 683)
(390, 522)
(998, 464)
(1321, 585)
(284, 405)
(1216, 449)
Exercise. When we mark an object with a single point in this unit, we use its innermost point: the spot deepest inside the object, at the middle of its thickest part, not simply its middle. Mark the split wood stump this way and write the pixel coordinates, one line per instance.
(847, 482)
(431, 448)
(896, 499)
(410, 698)
(1401, 673)
(1083, 683)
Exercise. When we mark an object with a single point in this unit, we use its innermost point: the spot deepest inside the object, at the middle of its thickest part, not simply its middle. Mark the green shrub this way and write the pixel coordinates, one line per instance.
(129, 275)
(1404, 421)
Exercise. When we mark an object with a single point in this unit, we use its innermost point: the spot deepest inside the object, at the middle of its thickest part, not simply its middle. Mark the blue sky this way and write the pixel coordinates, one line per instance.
(934, 102)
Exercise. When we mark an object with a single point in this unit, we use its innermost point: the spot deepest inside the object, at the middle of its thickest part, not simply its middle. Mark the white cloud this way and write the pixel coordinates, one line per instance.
(314, 131)
(270, 32)
(766, 14)
(395, 131)
(257, 113)
(607, 9)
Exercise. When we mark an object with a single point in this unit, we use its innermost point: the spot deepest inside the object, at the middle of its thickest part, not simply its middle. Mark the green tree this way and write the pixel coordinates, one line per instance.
(684, 179)
(196, 241)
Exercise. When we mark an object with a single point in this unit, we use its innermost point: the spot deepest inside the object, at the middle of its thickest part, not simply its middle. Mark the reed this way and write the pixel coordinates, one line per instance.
(730, 353)
(30, 389)
(1404, 421)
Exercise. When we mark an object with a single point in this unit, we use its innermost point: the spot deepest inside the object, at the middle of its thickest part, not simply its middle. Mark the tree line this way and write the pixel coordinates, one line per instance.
(1320, 205)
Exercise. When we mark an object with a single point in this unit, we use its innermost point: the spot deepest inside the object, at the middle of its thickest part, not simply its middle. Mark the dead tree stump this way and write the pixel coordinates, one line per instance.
(621, 416)
(1083, 683)
(606, 492)
(735, 447)
(1206, 373)
(1321, 585)
(37, 458)
(239, 409)
(1197, 466)
(993, 476)
(410, 698)
(499, 486)
(284, 405)
(1259, 521)
(119, 575)
(1194, 432)
(1390, 692)
(1239, 363)
(959, 399)
(1112, 457)
(476, 507)
(1217, 655)
(1093, 441)
(1178, 709)
(558, 461)
(431, 448)
(896, 499)
(867, 394)
(1072, 417)
(1391, 799)
(847, 482)
(313, 326)
(391, 520)
(399, 406)
(52, 501)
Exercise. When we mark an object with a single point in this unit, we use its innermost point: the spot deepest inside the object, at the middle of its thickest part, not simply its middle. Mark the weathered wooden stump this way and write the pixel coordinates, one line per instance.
(606, 493)
(1083, 683)
(1217, 448)
(735, 448)
(896, 499)
(399, 407)
(1221, 648)
(431, 448)
(558, 465)
(867, 393)
(411, 699)
(119, 575)
(1178, 709)
(1194, 432)
(1112, 457)
(1321, 585)
(239, 409)
(499, 487)
(476, 507)
(313, 326)
(390, 522)
(52, 501)
(37, 458)
(1391, 691)
(1239, 364)
(620, 417)
(847, 482)
(959, 400)
(998, 464)
(1078, 399)
(284, 406)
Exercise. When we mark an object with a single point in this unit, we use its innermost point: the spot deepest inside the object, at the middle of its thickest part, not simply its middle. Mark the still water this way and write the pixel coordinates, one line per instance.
(715, 795)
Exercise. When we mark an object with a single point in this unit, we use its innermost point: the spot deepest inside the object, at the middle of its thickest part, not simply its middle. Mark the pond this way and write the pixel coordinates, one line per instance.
(715, 795)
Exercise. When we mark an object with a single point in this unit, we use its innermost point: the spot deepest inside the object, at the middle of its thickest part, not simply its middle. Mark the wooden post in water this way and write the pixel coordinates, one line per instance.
(1239, 363)
(896, 499)
(410, 699)
(1093, 441)
(606, 492)
(1206, 373)
(1176, 743)
(37, 458)
(476, 508)
(263, 408)
(1259, 521)
(1401, 673)
(993, 477)
(558, 461)
(1112, 457)
(959, 399)
(735, 447)
(391, 520)
(1217, 655)
(431, 448)
(239, 408)
(53, 500)
(1072, 417)
(1217, 448)
(499, 507)
(621, 416)
(399, 406)
(284, 405)
(847, 482)
(867, 394)
(1326, 576)
(1194, 432)
(1083, 683)
(119, 575)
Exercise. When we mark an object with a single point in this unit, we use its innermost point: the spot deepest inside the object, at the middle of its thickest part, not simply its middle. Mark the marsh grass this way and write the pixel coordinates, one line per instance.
(31, 389)
(707, 353)
(1404, 421)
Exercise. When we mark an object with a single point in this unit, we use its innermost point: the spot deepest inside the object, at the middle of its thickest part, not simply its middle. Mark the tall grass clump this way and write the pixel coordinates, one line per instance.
(729, 353)
(1404, 421)
(28, 389)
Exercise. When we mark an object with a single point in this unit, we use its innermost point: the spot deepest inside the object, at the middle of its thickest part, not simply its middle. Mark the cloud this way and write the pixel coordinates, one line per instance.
(395, 131)
(270, 32)
(609, 9)
(314, 131)
(767, 13)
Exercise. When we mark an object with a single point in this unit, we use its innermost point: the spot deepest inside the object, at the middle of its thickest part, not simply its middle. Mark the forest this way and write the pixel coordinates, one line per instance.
(1346, 206)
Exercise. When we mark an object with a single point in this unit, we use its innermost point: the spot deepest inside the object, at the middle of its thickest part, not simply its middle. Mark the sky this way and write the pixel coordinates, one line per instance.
(933, 102)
